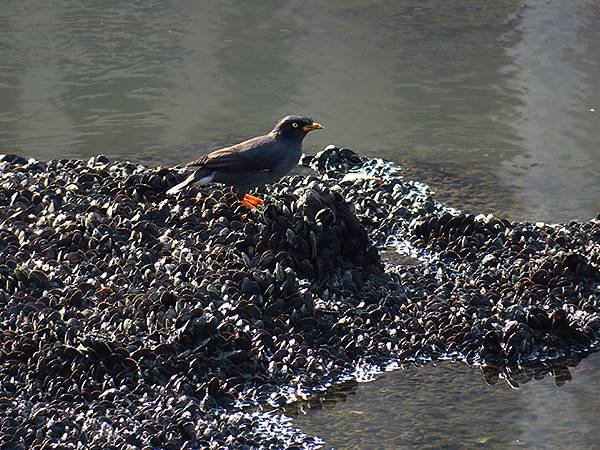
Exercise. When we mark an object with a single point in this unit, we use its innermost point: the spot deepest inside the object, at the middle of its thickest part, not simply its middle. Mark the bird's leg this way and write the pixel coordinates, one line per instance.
(247, 204)
(250, 201)
(253, 200)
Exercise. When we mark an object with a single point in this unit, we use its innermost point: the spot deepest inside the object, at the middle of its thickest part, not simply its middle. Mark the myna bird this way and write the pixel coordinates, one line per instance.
(252, 163)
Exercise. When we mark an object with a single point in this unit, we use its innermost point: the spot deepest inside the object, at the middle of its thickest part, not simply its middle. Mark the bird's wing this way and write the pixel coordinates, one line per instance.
(256, 154)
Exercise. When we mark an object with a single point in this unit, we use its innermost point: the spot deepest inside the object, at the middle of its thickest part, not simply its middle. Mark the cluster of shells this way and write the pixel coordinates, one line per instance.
(132, 319)
(492, 290)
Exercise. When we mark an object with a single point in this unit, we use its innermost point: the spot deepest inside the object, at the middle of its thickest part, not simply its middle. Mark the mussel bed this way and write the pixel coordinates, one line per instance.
(132, 319)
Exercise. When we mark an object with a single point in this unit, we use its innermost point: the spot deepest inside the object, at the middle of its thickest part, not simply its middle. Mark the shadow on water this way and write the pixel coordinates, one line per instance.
(447, 405)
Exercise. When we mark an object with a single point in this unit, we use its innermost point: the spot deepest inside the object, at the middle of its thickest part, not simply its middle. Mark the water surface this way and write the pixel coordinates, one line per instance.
(449, 406)
(498, 96)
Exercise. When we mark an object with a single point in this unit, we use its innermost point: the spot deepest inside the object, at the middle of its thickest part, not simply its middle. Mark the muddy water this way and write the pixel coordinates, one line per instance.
(496, 104)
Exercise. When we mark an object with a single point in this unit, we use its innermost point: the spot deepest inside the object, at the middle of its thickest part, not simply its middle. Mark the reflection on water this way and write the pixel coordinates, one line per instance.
(491, 102)
(448, 406)
(554, 64)
(494, 90)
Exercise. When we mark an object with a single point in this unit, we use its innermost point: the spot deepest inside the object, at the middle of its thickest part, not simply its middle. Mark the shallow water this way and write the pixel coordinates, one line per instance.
(450, 406)
(496, 104)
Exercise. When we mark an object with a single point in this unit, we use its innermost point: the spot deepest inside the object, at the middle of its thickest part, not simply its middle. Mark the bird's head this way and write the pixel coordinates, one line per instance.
(295, 127)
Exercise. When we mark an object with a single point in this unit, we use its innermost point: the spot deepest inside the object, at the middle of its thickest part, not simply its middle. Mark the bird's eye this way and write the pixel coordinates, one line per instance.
(295, 124)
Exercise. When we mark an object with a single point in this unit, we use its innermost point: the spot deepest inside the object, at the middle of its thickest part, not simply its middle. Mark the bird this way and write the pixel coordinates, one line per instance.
(254, 162)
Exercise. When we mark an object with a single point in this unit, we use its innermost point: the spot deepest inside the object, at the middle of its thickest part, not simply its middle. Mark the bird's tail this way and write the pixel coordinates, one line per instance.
(200, 176)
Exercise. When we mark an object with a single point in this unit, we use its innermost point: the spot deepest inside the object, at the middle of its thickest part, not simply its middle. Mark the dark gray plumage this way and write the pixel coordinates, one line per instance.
(252, 163)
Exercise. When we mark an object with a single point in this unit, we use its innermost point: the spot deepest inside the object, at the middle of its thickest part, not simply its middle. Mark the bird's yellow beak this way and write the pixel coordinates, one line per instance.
(312, 126)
